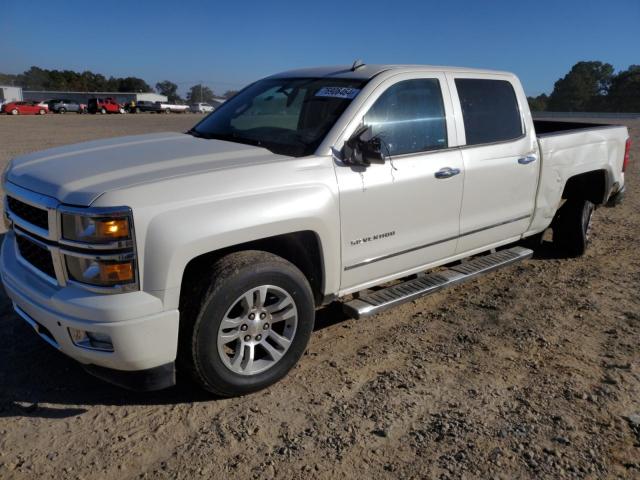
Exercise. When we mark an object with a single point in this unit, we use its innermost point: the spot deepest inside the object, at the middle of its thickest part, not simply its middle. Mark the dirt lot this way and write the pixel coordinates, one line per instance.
(530, 372)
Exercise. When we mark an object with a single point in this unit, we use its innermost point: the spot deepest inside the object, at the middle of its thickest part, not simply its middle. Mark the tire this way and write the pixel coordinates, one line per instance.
(168, 110)
(121, 110)
(572, 227)
(41, 111)
(15, 112)
(207, 349)
(62, 110)
(103, 111)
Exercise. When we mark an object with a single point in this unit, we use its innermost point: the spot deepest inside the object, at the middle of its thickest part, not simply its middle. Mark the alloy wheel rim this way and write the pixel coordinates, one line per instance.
(257, 330)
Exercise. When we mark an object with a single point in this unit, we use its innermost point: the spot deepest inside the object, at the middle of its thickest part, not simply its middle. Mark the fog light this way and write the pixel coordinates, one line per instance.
(91, 340)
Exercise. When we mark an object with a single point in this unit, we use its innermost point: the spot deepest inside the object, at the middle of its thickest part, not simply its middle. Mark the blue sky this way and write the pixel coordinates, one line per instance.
(228, 44)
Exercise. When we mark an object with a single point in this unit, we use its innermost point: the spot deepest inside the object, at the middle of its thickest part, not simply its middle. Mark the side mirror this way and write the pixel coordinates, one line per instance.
(363, 149)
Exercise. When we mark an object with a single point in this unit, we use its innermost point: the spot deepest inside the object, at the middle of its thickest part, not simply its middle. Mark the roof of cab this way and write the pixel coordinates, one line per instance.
(366, 72)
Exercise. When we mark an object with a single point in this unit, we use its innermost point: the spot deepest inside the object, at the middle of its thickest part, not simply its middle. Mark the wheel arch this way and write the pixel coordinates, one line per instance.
(302, 248)
(592, 186)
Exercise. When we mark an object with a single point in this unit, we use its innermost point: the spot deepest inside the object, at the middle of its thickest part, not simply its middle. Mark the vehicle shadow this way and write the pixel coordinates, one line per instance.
(38, 381)
(546, 250)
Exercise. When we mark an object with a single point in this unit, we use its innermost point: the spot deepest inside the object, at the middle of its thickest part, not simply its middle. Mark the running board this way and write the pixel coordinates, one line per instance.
(389, 297)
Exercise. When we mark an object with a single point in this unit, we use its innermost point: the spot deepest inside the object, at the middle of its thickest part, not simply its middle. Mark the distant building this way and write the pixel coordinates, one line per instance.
(10, 94)
(83, 97)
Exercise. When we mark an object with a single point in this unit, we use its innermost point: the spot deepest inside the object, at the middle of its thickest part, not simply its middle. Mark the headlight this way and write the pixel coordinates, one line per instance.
(98, 248)
(100, 272)
(96, 229)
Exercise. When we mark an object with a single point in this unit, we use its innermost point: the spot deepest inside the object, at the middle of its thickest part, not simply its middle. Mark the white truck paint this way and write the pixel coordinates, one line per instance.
(190, 196)
(172, 107)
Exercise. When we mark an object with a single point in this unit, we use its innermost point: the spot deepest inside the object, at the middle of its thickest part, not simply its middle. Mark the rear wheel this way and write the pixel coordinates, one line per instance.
(250, 326)
(572, 226)
(168, 110)
(41, 111)
(103, 111)
(62, 110)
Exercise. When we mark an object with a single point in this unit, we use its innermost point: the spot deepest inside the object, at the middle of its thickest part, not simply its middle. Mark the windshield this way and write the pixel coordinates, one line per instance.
(289, 116)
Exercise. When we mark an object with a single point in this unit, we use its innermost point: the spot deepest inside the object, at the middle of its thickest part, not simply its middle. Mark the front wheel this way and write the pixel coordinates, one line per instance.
(572, 226)
(62, 110)
(250, 326)
(41, 111)
(15, 111)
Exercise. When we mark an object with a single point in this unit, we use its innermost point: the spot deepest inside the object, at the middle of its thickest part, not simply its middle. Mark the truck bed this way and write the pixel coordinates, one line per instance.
(568, 149)
(552, 127)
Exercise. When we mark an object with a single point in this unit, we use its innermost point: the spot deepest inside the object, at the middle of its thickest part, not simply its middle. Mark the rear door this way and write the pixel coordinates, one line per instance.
(499, 152)
(403, 214)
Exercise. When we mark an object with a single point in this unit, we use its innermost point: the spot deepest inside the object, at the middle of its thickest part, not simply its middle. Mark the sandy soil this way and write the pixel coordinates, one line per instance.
(530, 372)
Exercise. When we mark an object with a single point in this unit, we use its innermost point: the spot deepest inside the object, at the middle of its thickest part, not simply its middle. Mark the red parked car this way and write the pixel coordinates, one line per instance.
(104, 105)
(25, 108)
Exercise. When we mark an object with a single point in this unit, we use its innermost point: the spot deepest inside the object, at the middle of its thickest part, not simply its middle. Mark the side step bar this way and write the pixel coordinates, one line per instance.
(389, 297)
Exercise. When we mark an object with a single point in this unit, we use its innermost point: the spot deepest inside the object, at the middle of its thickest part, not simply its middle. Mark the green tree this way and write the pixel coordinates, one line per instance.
(8, 79)
(583, 89)
(200, 94)
(133, 84)
(34, 79)
(169, 89)
(67, 80)
(624, 94)
(539, 103)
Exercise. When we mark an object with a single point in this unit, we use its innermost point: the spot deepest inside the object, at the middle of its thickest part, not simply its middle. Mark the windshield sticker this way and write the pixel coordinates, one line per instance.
(338, 92)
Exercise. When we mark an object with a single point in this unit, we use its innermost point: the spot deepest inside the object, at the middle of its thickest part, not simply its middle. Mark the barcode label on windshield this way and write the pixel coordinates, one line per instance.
(338, 92)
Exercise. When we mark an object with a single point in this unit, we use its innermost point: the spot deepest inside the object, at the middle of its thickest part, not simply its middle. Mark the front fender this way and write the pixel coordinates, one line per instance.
(173, 238)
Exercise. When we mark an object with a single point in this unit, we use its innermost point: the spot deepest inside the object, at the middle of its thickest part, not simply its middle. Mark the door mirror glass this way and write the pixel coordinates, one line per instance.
(363, 149)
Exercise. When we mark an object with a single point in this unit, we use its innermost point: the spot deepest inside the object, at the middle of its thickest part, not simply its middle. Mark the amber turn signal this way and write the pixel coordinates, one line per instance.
(116, 272)
(116, 228)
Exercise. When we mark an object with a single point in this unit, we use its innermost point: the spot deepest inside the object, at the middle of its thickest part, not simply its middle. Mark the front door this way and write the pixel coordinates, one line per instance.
(402, 214)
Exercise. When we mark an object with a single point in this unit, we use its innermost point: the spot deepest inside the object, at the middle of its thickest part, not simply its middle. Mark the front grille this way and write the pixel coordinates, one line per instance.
(33, 215)
(36, 255)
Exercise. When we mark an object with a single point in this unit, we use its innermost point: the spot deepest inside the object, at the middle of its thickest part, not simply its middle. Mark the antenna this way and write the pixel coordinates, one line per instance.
(356, 65)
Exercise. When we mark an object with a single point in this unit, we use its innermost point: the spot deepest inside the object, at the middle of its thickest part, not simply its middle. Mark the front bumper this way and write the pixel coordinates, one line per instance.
(144, 336)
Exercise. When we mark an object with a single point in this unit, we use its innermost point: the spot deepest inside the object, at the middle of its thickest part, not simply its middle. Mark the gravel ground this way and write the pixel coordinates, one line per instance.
(529, 372)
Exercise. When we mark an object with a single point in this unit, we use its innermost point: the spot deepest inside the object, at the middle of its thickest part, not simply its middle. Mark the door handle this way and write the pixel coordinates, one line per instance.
(528, 159)
(447, 172)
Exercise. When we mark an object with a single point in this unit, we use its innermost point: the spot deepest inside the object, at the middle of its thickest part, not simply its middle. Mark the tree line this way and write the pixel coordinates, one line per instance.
(592, 87)
(70, 81)
(588, 87)
(196, 94)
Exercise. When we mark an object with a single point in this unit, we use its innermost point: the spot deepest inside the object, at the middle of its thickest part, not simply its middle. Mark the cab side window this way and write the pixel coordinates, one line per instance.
(489, 110)
(409, 117)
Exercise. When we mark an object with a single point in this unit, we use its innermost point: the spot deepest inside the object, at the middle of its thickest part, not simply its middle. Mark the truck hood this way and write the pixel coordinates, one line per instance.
(79, 174)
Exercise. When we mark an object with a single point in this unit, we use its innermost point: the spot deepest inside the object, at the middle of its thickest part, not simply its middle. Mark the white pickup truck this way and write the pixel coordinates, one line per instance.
(171, 108)
(212, 249)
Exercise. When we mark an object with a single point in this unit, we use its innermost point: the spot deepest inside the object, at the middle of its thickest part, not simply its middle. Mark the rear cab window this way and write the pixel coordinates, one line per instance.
(490, 110)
